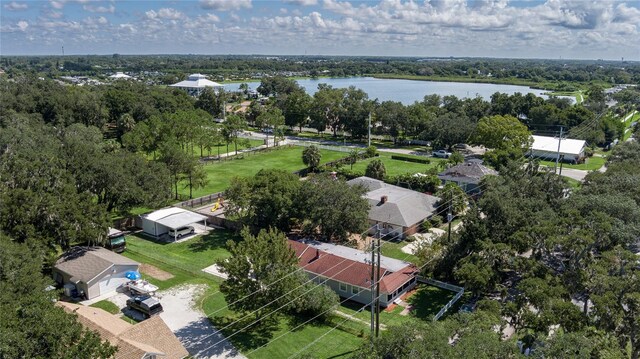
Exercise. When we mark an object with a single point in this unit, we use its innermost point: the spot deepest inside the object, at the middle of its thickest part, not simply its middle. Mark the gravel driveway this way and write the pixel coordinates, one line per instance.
(191, 326)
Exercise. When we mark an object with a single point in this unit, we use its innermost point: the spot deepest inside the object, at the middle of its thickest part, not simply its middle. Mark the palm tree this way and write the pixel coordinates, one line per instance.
(375, 169)
(311, 156)
(354, 154)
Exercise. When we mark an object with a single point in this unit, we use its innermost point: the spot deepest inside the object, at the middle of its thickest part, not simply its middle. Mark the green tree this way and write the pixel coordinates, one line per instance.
(32, 326)
(311, 157)
(508, 138)
(452, 198)
(271, 118)
(177, 162)
(259, 273)
(234, 126)
(354, 155)
(195, 175)
(375, 169)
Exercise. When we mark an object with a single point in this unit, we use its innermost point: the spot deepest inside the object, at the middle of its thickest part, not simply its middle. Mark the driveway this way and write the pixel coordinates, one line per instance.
(192, 327)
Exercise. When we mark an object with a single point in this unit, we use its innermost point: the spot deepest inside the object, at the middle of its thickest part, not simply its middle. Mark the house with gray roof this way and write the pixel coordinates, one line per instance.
(467, 175)
(94, 271)
(399, 211)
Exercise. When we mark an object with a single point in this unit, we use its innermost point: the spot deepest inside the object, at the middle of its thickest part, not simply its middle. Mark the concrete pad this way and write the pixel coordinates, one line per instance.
(215, 270)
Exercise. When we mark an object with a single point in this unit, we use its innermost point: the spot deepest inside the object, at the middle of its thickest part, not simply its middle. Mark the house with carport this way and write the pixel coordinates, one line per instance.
(398, 211)
(347, 271)
(160, 222)
(93, 271)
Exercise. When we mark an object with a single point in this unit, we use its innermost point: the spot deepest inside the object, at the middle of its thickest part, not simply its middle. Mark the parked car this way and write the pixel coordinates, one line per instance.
(460, 146)
(441, 154)
(145, 304)
(182, 231)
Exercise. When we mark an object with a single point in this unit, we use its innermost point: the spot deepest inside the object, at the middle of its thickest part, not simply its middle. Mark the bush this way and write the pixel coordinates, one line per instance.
(426, 161)
(371, 151)
(436, 221)
(589, 152)
(349, 174)
(425, 226)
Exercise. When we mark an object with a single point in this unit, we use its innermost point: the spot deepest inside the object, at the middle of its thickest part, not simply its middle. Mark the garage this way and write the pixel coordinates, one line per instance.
(89, 272)
(173, 219)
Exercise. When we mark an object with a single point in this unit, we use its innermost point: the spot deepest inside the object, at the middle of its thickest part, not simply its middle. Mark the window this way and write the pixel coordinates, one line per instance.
(343, 287)
(355, 290)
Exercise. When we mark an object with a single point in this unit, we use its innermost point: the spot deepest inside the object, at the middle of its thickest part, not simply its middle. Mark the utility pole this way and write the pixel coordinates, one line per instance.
(450, 216)
(369, 128)
(558, 154)
(373, 283)
(561, 162)
(378, 285)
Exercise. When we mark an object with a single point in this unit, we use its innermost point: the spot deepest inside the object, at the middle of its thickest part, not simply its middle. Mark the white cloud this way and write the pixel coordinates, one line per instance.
(99, 9)
(22, 25)
(57, 4)
(164, 13)
(14, 6)
(225, 5)
(301, 2)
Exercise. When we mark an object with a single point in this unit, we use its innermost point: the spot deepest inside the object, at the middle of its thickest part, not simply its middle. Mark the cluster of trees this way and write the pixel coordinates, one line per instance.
(542, 250)
(559, 74)
(278, 199)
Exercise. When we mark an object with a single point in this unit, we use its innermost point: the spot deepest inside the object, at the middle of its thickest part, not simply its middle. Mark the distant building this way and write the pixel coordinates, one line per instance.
(196, 83)
(120, 76)
(467, 175)
(347, 271)
(398, 210)
(547, 148)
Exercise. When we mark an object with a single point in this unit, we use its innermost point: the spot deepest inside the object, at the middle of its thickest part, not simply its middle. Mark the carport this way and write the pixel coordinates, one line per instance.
(161, 221)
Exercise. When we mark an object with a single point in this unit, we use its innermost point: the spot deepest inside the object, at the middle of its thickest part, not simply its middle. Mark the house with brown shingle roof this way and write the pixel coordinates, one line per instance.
(467, 175)
(347, 271)
(148, 339)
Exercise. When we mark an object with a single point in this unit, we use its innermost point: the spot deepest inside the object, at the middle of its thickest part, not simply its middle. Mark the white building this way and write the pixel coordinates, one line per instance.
(120, 76)
(547, 148)
(160, 222)
(196, 83)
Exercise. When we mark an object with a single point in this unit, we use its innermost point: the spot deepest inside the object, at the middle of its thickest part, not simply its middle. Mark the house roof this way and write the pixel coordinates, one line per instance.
(120, 75)
(355, 254)
(133, 341)
(197, 81)
(402, 207)
(174, 217)
(468, 172)
(550, 144)
(349, 271)
(85, 263)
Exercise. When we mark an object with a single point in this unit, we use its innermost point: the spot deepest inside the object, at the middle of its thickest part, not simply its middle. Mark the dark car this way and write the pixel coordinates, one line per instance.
(145, 304)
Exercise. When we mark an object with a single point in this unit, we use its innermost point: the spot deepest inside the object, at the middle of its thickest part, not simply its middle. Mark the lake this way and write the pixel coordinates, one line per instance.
(407, 91)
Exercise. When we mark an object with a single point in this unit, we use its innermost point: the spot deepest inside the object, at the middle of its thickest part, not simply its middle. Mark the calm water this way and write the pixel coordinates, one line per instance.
(407, 91)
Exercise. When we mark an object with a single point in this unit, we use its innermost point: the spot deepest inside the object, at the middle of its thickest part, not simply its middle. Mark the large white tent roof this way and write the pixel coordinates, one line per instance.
(196, 81)
(174, 217)
(550, 144)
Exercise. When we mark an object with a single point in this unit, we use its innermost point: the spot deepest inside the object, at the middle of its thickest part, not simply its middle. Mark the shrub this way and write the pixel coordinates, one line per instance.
(436, 221)
(425, 226)
(426, 161)
(371, 151)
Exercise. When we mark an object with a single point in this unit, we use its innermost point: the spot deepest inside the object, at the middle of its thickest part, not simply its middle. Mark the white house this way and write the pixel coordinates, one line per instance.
(196, 83)
(120, 76)
(547, 148)
(93, 271)
(161, 221)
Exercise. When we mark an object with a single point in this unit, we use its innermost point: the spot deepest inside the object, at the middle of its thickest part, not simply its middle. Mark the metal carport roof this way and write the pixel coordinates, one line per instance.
(174, 217)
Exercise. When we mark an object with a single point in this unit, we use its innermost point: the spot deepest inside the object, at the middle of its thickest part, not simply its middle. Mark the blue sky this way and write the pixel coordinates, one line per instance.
(495, 28)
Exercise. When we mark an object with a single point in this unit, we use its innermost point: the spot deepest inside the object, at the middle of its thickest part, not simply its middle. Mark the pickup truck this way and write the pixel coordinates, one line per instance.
(441, 154)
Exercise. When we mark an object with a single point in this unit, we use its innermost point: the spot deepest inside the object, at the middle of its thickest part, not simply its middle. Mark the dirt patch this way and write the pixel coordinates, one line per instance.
(155, 272)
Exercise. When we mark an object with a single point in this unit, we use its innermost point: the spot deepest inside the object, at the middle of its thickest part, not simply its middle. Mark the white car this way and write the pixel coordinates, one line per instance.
(441, 154)
(182, 231)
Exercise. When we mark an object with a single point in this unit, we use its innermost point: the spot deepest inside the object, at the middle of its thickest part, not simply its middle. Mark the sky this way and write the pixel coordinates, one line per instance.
(582, 29)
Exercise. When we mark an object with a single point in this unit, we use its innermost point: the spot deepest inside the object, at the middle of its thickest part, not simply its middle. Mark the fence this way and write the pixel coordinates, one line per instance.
(200, 201)
(454, 288)
(324, 147)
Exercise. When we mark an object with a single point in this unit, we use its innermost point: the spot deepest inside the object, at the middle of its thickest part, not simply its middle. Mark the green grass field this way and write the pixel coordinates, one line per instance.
(394, 250)
(248, 164)
(107, 306)
(398, 167)
(591, 164)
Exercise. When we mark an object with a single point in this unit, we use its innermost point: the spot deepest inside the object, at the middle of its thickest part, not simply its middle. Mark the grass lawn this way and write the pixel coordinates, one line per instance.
(394, 250)
(591, 164)
(427, 302)
(398, 167)
(248, 164)
(107, 306)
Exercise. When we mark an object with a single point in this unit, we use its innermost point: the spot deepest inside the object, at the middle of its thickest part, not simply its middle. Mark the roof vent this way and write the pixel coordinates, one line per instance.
(383, 199)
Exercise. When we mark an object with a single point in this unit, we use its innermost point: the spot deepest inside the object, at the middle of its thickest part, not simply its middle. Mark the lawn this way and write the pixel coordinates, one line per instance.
(591, 164)
(248, 164)
(106, 306)
(398, 167)
(427, 302)
(394, 250)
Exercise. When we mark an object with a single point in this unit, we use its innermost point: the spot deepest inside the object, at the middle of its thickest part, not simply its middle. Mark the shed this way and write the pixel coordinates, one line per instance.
(95, 271)
(545, 147)
(161, 221)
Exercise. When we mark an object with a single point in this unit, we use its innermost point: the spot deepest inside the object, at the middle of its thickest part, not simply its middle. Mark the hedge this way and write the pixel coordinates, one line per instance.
(411, 159)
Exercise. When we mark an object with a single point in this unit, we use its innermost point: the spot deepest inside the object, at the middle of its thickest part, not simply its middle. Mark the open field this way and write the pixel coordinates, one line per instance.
(397, 167)
(248, 164)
